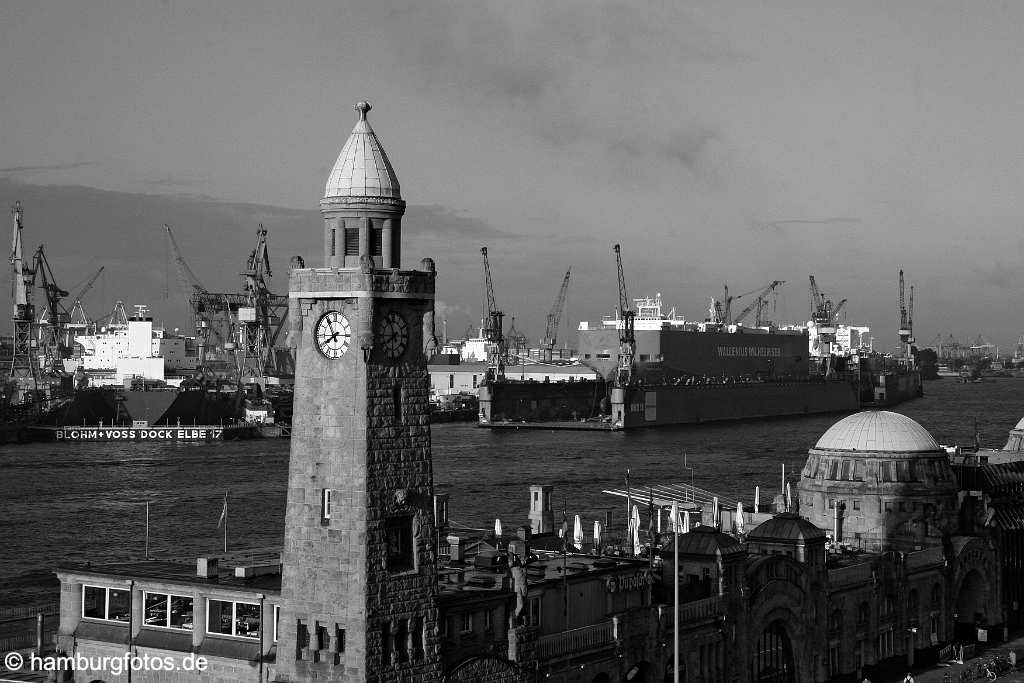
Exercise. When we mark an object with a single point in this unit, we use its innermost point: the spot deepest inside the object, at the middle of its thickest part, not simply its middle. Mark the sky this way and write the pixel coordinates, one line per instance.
(720, 143)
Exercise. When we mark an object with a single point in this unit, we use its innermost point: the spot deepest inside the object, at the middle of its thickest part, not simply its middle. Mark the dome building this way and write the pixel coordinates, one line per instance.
(879, 481)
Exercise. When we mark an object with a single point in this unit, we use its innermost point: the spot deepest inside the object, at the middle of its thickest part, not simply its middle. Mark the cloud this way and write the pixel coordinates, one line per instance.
(20, 171)
(435, 220)
(999, 276)
(796, 222)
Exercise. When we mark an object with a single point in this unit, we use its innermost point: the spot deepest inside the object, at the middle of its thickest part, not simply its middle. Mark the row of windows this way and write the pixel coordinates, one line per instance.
(162, 610)
(852, 469)
(887, 608)
(886, 506)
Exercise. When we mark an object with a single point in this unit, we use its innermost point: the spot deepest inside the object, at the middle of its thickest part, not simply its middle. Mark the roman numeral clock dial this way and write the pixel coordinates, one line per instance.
(394, 335)
(332, 335)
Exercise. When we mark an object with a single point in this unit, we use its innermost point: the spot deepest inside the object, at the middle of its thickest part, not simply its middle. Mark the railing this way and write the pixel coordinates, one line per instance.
(576, 641)
(29, 611)
(698, 609)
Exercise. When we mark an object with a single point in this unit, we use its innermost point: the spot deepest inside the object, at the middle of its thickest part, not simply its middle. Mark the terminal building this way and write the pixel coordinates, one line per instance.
(884, 560)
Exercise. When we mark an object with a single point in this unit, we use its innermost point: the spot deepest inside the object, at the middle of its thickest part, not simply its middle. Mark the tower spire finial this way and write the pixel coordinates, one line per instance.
(362, 106)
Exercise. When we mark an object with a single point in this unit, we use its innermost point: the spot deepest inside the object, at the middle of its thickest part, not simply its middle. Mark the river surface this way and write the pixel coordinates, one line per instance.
(87, 502)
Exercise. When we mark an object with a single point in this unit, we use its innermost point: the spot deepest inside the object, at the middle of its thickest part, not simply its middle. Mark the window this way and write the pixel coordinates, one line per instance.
(398, 531)
(863, 614)
(833, 660)
(533, 612)
(488, 620)
(396, 403)
(903, 506)
(227, 618)
(474, 381)
(888, 506)
(110, 604)
(856, 505)
(167, 611)
(885, 644)
(376, 241)
(936, 597)
(835, 622)
(465, 622)
(334, 242)
(351, 241)
(451, 381)
(277, 620)
(325, 504)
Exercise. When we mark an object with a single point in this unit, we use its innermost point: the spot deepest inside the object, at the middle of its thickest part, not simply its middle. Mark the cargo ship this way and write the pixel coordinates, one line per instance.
(687, 372)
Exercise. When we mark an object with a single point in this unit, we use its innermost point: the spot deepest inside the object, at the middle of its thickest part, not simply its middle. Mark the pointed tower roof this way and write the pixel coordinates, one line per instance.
(362, 168)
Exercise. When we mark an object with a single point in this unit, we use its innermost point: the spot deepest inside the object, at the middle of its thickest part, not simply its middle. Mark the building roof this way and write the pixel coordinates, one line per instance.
(362, 168)
(878, 431)
(704, 540)
(787, 526)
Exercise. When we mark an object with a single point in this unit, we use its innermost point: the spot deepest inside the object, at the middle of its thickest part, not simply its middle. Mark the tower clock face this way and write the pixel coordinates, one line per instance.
(333, 334)
(394, 335)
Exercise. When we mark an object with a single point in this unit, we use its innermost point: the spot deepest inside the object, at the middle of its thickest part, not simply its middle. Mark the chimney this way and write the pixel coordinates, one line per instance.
(207, 568)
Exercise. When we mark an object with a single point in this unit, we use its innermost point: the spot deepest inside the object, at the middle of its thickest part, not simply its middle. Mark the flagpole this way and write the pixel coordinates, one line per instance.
(675, 592)
(147, 529)
(225, 523)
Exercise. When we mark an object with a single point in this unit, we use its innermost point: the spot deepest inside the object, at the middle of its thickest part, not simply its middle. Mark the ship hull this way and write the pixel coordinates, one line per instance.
(588, 405)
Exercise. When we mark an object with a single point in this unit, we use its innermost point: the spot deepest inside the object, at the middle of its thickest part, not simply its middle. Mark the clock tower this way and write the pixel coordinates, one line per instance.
(359, 585)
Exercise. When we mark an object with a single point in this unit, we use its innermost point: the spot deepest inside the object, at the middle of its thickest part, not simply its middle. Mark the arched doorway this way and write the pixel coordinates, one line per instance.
(772, 660)
(971, 600)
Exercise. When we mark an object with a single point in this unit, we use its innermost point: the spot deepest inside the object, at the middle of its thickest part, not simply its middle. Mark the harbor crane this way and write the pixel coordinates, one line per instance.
(627, 335)
(78, 322)
(241, 328)
(760, 303)
(721, 310)
(906, 331)
(51, 332)
(24, 368)
(554, 320)
(823, 316)
(516, 342)
(496, 349)
(257, 327)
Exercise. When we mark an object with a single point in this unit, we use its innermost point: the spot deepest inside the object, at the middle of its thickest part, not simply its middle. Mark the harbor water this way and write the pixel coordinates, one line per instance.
(84, 502)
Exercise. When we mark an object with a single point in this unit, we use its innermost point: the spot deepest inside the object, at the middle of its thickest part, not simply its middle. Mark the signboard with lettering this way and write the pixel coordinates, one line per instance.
(198, 433)
(749, 352)
(631, 582)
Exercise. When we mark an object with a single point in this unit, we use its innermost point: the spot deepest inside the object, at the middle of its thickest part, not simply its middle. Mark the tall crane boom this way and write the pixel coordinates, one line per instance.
(188, 279)
(627, 335)
(906, 331)
(758, 303)
(88, 285)
(24, 367)
(554, 320)
(495, 338)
